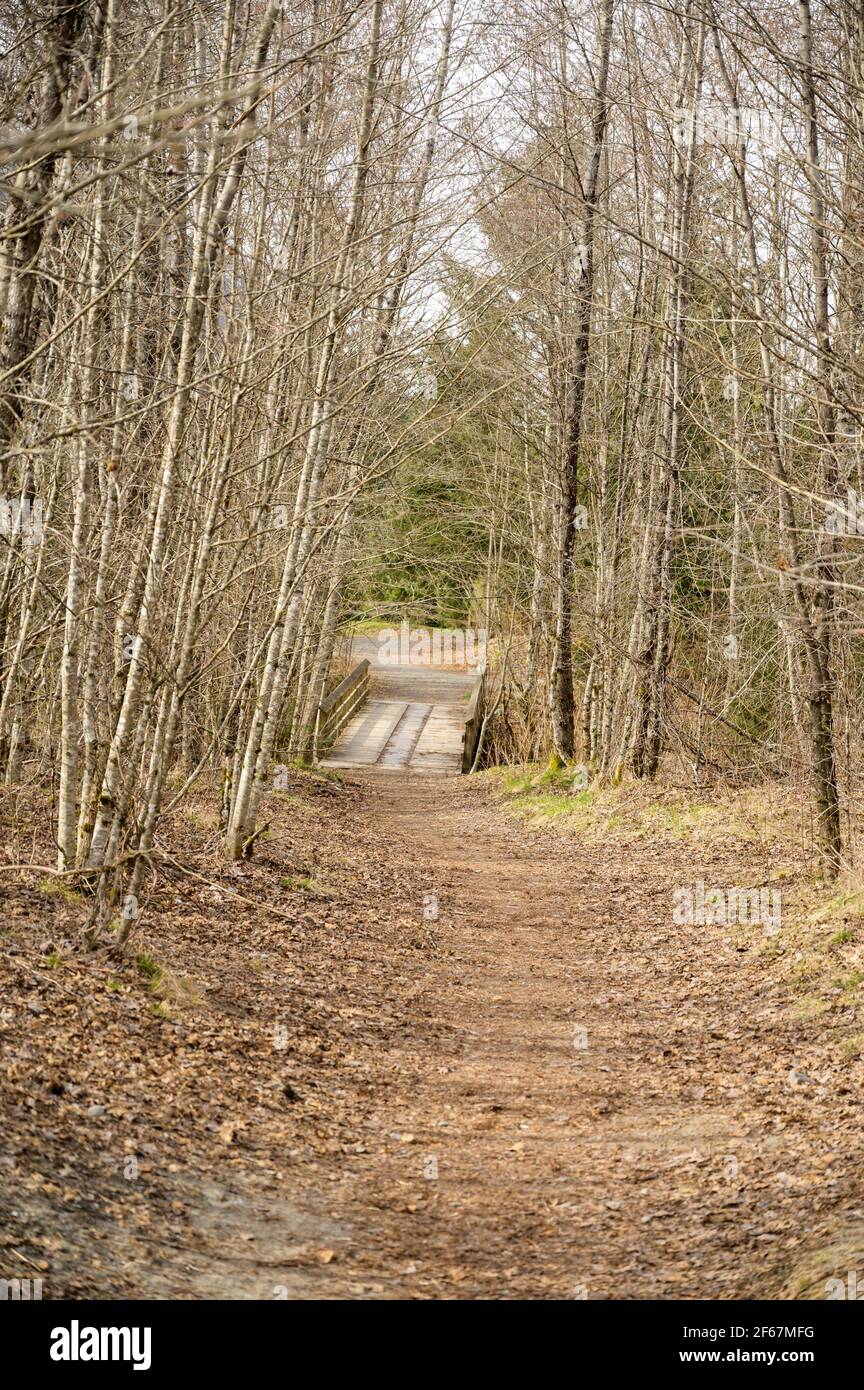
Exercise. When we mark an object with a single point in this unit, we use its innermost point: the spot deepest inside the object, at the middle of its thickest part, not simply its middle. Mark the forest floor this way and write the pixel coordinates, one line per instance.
(298, 1087)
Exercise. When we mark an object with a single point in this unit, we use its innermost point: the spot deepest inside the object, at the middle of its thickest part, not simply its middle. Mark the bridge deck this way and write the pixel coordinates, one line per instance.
(413, 720)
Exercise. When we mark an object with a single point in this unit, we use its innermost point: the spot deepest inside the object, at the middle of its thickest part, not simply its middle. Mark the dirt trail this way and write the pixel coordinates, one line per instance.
(607, 1110)
(550, 1091)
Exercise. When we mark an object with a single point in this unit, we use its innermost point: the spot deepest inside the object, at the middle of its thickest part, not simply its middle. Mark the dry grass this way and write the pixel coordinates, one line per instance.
(818, 954)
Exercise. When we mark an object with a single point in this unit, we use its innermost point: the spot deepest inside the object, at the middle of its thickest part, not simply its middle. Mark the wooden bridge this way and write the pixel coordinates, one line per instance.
(417, 719)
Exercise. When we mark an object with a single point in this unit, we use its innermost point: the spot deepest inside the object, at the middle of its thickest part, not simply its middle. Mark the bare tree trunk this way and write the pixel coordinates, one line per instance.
(656, 649)
(563, 704)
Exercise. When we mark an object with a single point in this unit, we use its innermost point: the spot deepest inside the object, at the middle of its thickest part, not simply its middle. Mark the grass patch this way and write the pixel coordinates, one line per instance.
(374, 624)
(171, 990)
(57, 888)
(147, 965)
(309, 772)
(626, 812)
(176, 991)
(293, 799)
(818, 954)
(810, 1007)
(843, 904)
(821, 956)
(766, 818)
(814, 1275)
(303, 884)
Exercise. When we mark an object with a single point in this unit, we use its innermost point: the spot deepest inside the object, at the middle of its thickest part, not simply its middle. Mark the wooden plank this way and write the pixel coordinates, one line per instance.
(363, 740)
(439, 748)
(399, 748)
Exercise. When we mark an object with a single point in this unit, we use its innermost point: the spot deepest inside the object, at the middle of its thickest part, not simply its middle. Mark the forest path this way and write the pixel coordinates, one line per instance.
(467, 1058)
(592, 1101)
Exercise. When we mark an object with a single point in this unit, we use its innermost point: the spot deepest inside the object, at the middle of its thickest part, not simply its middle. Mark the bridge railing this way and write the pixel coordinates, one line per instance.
(474, 721)
(340, 705)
